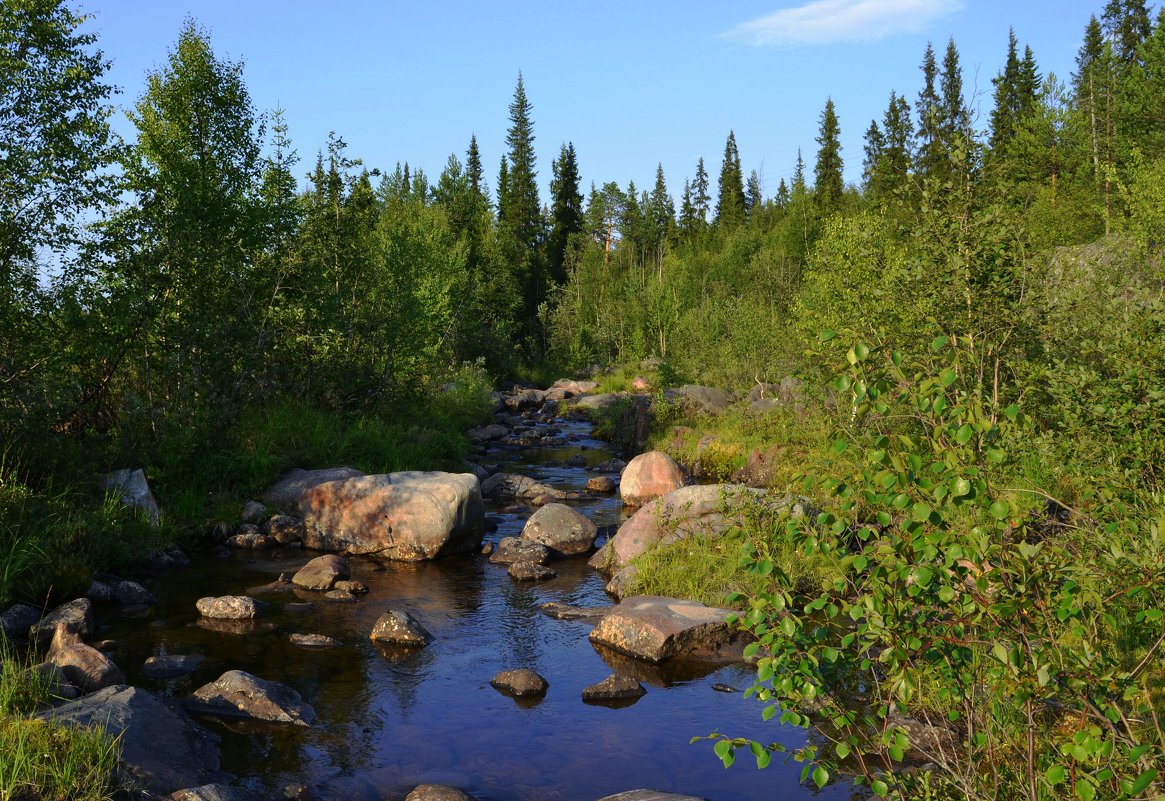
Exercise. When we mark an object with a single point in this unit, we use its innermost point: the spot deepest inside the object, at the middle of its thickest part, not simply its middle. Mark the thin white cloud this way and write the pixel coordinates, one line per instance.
(830, 21)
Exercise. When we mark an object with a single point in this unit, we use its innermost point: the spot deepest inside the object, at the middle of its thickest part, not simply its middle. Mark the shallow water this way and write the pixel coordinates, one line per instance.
(387, 719)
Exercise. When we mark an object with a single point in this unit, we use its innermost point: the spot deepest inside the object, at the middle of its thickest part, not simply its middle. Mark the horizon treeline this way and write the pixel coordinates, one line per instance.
(197, 277)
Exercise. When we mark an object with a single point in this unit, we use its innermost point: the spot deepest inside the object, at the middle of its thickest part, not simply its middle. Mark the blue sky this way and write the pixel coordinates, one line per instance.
(630, 82)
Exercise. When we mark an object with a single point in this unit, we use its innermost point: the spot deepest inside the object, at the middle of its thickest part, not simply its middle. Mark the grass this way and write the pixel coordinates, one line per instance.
(42, 761)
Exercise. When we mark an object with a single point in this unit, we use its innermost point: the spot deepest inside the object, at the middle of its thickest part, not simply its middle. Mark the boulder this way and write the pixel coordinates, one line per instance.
(85, 667)
(437, 792)
(131, 593)
(313, 641)
(487, 433)
(565, 531)
(612, 465)
(576, 387)
(17, 620)
(604, 485)
(170, 666)
(99, 592)
(322, 573)
(408, 516)
(700, 400)
(648, 476)
(77, 614)
(285, 493)
(397, 627)
(649, 795)
(623, 582)
(653, 628)
(706, 509)
(284, 529)
(162, 750)
(614, 688)
(595, 403)
(760, 467)
(228, 607)
(524, 399)
(133, 492)
(253, 512)
(482, 473)
(521, 683)
(512, 549)
(340, 595)
(238, 694)
(349, 585)
(561, 611)
(250, 536)
(530, 571)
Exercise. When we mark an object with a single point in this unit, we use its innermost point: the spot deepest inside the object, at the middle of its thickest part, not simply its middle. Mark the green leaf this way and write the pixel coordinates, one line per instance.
(880, 787)
(821, 776)
(724, 750)
(938, 343)
(1055, 775)
(1085, 791)
(1143, 781)
(964, 434)
(826, 334)
(842, 750)
(1000, 509)
(948, 376)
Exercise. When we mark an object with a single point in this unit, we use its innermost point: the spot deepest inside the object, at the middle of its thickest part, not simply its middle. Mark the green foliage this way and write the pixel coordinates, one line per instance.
(43, 760)
(954, 607)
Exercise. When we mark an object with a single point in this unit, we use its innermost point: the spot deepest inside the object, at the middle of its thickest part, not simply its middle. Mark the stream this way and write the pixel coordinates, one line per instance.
(387, 722)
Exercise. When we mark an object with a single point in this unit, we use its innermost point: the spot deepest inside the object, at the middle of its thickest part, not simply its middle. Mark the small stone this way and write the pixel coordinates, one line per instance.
(614, 688)
(354, 587)
(398, 627)
(521, 683)
(250, 536)
(488, 547)
(228, 607)
(724, 688)
(513, 549)
(17, 619)
(99, 592)
(561, 611)
(531, 571)
(130, 593)
(238, 694)
(313, 640)
(284, 529)
(339, 595)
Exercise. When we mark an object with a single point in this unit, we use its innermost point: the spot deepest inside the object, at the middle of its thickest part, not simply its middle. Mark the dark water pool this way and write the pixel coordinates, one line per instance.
(389, 720)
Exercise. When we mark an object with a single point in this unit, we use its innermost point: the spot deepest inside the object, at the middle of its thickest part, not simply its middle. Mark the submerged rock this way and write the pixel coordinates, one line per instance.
(169, 666)
(649, 795)
(313, 641)
(408, 516)
(531, 571)
(238, 694)
(437, 792)
(614, 688)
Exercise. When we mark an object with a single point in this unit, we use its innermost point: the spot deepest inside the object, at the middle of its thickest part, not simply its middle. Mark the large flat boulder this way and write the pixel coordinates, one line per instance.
(595, 403)
(238, 694)
(285, 493)
(407, 516)
(707, 510)
(696, 399)
(163, 750)
(649, 476)
(565, 531)
(653, 629)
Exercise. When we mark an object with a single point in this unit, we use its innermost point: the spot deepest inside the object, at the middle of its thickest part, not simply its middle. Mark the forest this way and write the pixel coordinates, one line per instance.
(979, 328)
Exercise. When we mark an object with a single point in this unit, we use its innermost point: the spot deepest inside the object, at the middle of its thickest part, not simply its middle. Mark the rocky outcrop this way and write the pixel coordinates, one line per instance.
(521, 683)
(133, 491)
(161, 748)
(238, 694)
(407, 516)
(654, 628)
(565, 531)
(398, 627)
(322, 573)
(229, 607)
(700, 400)
(649, 476)
(285, 494)
(706, 510)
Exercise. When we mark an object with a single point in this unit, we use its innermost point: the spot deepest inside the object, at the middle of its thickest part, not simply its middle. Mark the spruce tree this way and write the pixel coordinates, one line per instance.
(931, 158)
(828, 181)
(1008, 107)
(700, 197)
(519, 205)
(799, 187)
(955, 117)
(753, 195)
(1089, 86)
(662, 215)
(782, 198)
(730, 209)
(687, 220)
(875, 145)
(1127, 24)
(473, 169)
(898, 148)
(566, 210)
